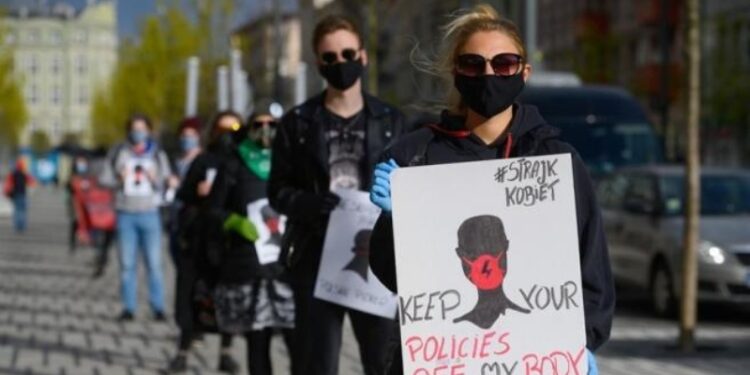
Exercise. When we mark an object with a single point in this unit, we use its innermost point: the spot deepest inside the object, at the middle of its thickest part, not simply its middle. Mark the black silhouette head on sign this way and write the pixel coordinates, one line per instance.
(360, 264)
(482, 250)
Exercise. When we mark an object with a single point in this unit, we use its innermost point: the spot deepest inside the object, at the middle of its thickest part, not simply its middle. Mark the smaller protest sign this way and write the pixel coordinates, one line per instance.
(344, 276)
(270, 226)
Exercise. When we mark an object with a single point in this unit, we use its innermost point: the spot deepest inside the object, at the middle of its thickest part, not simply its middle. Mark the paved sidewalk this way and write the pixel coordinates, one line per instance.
(56, 320)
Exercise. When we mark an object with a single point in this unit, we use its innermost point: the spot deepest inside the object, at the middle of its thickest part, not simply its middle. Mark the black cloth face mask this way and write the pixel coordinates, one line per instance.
(342, 76)
(489, 95)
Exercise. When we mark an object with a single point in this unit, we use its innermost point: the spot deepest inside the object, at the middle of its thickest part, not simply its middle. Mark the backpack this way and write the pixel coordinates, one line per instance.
(8, 186)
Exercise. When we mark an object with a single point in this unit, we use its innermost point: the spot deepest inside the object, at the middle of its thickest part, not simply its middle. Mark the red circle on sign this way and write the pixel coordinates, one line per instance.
(486, 273)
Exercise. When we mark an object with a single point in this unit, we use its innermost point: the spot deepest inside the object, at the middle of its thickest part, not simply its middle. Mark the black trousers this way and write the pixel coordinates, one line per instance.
(259, 349)
(318, 333)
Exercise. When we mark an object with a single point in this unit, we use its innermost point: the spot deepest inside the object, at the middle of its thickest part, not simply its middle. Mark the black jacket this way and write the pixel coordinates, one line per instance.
(300, 171)
(194, 209)
(235, 187)
(531, 136)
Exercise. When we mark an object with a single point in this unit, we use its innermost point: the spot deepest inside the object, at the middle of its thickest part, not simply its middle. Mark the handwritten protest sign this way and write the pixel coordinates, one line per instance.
(488, 268)
(270, 226)
(344, 277)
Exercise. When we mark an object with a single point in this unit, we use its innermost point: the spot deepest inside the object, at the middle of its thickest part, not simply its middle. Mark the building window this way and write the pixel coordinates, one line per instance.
(83, 95)
(56, 65)
(32, 94)
(56, 37)
(56, 95)
(56, 128)
(80, 36)
(33, 65)
(33, 36)
(81, 65)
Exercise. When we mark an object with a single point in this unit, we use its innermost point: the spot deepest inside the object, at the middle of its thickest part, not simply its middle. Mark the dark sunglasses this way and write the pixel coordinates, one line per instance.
(259, 124)
(348, 54)
(503, 64)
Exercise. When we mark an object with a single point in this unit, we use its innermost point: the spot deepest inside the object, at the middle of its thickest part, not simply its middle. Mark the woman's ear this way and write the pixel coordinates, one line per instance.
(526, 72)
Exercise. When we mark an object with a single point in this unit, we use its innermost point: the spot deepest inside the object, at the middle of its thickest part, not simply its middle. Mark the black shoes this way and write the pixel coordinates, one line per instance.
(126, 316)
(178, 364)
(160, 317)
(228, 365)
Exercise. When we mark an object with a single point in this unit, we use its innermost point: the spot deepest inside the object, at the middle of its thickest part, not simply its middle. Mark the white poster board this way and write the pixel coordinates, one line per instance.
(137, 182)
(488, 269)
(344, 276)
(270, 226)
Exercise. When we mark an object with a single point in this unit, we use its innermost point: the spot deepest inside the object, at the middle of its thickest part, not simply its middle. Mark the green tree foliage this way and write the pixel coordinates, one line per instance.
(13, 113)
(40, 142)
(150, 76)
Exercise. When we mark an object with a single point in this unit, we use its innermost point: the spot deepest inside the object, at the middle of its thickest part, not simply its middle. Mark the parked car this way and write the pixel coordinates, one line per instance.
(643, 208)
(607, 126)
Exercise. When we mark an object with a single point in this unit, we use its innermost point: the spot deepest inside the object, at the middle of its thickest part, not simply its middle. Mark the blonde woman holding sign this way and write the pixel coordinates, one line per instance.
(484, 63)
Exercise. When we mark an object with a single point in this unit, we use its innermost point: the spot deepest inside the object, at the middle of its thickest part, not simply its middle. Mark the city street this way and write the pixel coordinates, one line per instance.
(55, 319)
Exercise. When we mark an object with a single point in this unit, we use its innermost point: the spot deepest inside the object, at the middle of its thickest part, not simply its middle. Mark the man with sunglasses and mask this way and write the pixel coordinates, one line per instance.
(330, 142)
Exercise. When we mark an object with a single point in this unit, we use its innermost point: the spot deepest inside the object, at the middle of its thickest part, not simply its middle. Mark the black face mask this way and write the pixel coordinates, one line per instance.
(223, 142)
(489, 95)
(342, 76)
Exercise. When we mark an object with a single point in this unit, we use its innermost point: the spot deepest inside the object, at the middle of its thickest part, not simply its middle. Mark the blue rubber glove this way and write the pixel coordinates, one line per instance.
(593, 370)
(380, 194)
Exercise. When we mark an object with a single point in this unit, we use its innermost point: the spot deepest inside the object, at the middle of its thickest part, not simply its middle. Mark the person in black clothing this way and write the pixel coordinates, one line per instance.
(330, 142)
(486, 57)
(197, 260)
(253, 296)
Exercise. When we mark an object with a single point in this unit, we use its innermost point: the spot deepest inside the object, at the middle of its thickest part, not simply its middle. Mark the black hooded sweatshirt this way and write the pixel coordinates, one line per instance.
(529, 135)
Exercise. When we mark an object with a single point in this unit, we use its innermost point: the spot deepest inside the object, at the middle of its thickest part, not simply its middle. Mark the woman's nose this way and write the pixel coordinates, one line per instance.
(488, 69)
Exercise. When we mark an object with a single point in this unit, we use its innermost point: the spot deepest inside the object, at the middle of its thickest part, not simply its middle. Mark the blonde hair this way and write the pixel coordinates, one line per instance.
(457, 32)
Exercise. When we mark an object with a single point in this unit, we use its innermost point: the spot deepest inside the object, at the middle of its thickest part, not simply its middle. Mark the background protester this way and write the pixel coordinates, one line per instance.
(139, 171)
(16, 188)
(197, 263)
(92, 210)
(253, 296)
(190, 148)
(330, 142)
(485, 63)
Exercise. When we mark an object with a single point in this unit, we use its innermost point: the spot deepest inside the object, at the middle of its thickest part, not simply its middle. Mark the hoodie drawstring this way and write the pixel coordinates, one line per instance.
(508, 145)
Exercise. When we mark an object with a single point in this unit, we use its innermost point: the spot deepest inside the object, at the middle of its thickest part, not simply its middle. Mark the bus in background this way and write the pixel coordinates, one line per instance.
(607, 126)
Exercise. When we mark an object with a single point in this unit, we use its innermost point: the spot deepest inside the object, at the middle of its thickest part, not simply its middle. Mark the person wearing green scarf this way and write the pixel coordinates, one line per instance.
(252, 297)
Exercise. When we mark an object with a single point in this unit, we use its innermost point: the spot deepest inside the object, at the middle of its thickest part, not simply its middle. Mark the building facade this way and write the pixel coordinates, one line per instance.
(63, 56)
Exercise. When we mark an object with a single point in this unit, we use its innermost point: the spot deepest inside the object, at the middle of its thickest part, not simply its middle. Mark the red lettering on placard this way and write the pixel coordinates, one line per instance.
(555, 363)
(414, 344)
(505, 345)
(446, 349)
(442, 370)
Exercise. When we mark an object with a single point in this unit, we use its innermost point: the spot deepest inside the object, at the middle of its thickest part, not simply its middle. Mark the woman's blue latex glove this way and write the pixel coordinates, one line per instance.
(380, 194)
(593, 370)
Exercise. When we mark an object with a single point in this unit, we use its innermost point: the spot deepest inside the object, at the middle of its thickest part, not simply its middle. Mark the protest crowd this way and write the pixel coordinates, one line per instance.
(251, 202)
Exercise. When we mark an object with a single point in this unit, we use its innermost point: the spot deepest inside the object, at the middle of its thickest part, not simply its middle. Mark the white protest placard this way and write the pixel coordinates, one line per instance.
(488, 271)
(137, 182)
(270, 226)
(344, 277)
